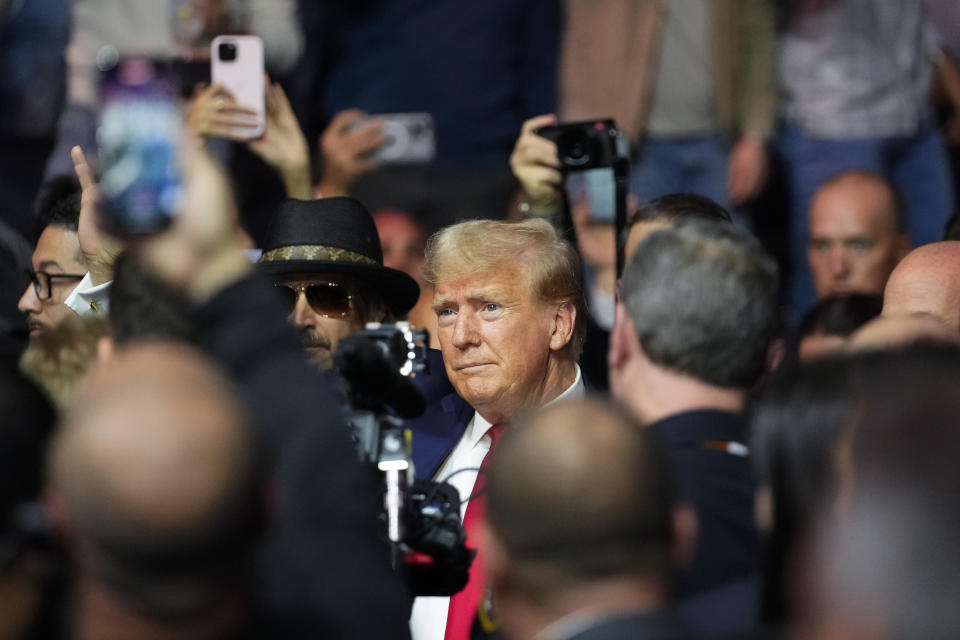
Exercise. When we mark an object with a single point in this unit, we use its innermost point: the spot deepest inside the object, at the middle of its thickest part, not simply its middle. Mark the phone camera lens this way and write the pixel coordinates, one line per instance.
(227, 51)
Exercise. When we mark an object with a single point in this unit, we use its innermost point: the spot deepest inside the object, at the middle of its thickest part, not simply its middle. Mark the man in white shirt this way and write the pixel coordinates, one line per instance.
(57, 264)
(511, 324)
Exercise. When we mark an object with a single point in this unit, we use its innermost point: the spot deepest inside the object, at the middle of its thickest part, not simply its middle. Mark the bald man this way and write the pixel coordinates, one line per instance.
(577, 550)
(927, 281)
(152, 482)
(857, 234)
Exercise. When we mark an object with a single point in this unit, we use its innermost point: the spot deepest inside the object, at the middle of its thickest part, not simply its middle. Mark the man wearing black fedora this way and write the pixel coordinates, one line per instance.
(326, 260)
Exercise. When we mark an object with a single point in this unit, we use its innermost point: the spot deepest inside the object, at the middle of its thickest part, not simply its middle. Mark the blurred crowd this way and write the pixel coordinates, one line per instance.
(706, 389)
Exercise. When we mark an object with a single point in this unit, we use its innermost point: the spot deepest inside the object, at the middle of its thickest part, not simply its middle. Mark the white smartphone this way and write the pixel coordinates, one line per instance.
(236, 62)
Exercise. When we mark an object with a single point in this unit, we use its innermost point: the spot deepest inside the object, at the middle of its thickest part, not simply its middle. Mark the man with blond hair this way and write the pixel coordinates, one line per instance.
(511, 325)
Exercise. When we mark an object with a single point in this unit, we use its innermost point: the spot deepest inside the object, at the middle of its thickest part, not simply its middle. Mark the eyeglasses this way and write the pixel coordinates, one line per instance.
(43, 282)
(328, 299)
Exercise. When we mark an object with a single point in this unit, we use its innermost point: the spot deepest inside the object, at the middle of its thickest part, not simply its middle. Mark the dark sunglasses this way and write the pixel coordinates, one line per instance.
(328, 299)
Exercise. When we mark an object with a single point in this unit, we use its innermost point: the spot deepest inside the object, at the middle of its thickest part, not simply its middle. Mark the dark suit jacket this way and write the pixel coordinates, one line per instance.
(324, 569)
(720, 584)
(438, 430)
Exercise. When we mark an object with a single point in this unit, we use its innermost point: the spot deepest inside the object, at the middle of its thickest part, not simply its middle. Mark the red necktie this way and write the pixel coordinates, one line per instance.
(463, 605)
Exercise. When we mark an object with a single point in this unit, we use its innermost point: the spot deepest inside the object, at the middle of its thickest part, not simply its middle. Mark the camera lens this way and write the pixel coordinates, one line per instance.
(574, 148)
(576, 151)
(227, 51)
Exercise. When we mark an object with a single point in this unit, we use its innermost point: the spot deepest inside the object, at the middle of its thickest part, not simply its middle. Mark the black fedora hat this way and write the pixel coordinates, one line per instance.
(334, 235)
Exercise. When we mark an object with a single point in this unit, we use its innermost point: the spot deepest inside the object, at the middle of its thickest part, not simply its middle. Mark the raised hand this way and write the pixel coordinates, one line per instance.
(283, 145)
(535, 164)
(347, 144)
(99, 249)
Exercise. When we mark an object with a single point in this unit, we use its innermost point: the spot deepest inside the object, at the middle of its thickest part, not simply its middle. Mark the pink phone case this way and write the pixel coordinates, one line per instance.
(242, 76)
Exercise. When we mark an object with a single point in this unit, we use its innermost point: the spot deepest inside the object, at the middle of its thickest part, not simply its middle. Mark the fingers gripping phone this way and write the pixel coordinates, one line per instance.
(236, 63)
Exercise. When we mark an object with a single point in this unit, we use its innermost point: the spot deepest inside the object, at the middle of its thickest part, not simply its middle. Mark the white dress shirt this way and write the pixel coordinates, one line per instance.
(87, 299)
(428, 620)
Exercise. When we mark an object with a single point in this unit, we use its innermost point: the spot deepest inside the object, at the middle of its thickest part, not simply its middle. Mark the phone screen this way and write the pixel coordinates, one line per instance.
(138, 138)
(599, 188)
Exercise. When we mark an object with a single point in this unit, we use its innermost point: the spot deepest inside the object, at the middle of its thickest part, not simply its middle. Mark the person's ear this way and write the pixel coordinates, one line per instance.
(564, 320)
(622, 337)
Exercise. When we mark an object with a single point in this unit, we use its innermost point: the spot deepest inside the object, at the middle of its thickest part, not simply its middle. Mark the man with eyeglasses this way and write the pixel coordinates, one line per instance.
(57, 263)
(325, 258)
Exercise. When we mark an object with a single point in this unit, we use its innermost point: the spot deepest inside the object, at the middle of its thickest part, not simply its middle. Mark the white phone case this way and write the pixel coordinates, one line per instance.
(243, 76)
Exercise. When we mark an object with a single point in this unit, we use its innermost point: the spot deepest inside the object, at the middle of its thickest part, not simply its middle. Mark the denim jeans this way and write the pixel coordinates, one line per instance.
(674, 165)
(917, 165)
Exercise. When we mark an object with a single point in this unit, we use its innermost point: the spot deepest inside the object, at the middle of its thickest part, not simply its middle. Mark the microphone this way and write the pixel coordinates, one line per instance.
(371, 376)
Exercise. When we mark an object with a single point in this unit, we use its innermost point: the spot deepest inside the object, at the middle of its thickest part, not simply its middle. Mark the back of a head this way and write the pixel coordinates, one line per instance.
(702, 297)
(826, 326)
(564, 520)
(895, 551)
(142, 307)
(667, 211)
(680, 207)
(58, 204)
(908, 395)
(155, 465)
(927, 280)
(796, 422)
(840, 315)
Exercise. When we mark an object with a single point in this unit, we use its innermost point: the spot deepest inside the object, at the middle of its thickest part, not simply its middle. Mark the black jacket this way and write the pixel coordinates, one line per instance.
(324, 570)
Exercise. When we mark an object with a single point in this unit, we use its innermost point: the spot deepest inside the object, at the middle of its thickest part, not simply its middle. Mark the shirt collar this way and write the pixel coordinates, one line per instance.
(479, 425)
(89, 299)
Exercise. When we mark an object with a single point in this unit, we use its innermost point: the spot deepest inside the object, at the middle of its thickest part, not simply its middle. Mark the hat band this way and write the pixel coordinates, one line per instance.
(318, 252)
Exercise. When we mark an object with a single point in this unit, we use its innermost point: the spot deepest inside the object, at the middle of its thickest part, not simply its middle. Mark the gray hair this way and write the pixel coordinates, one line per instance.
(702, 297)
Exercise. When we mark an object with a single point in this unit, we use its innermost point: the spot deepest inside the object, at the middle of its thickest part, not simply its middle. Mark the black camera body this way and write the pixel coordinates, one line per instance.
(591, 144)
(422, 519)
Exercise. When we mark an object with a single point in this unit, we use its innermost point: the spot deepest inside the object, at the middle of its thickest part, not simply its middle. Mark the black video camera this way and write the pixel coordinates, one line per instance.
(592, 144)
(422, 518)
